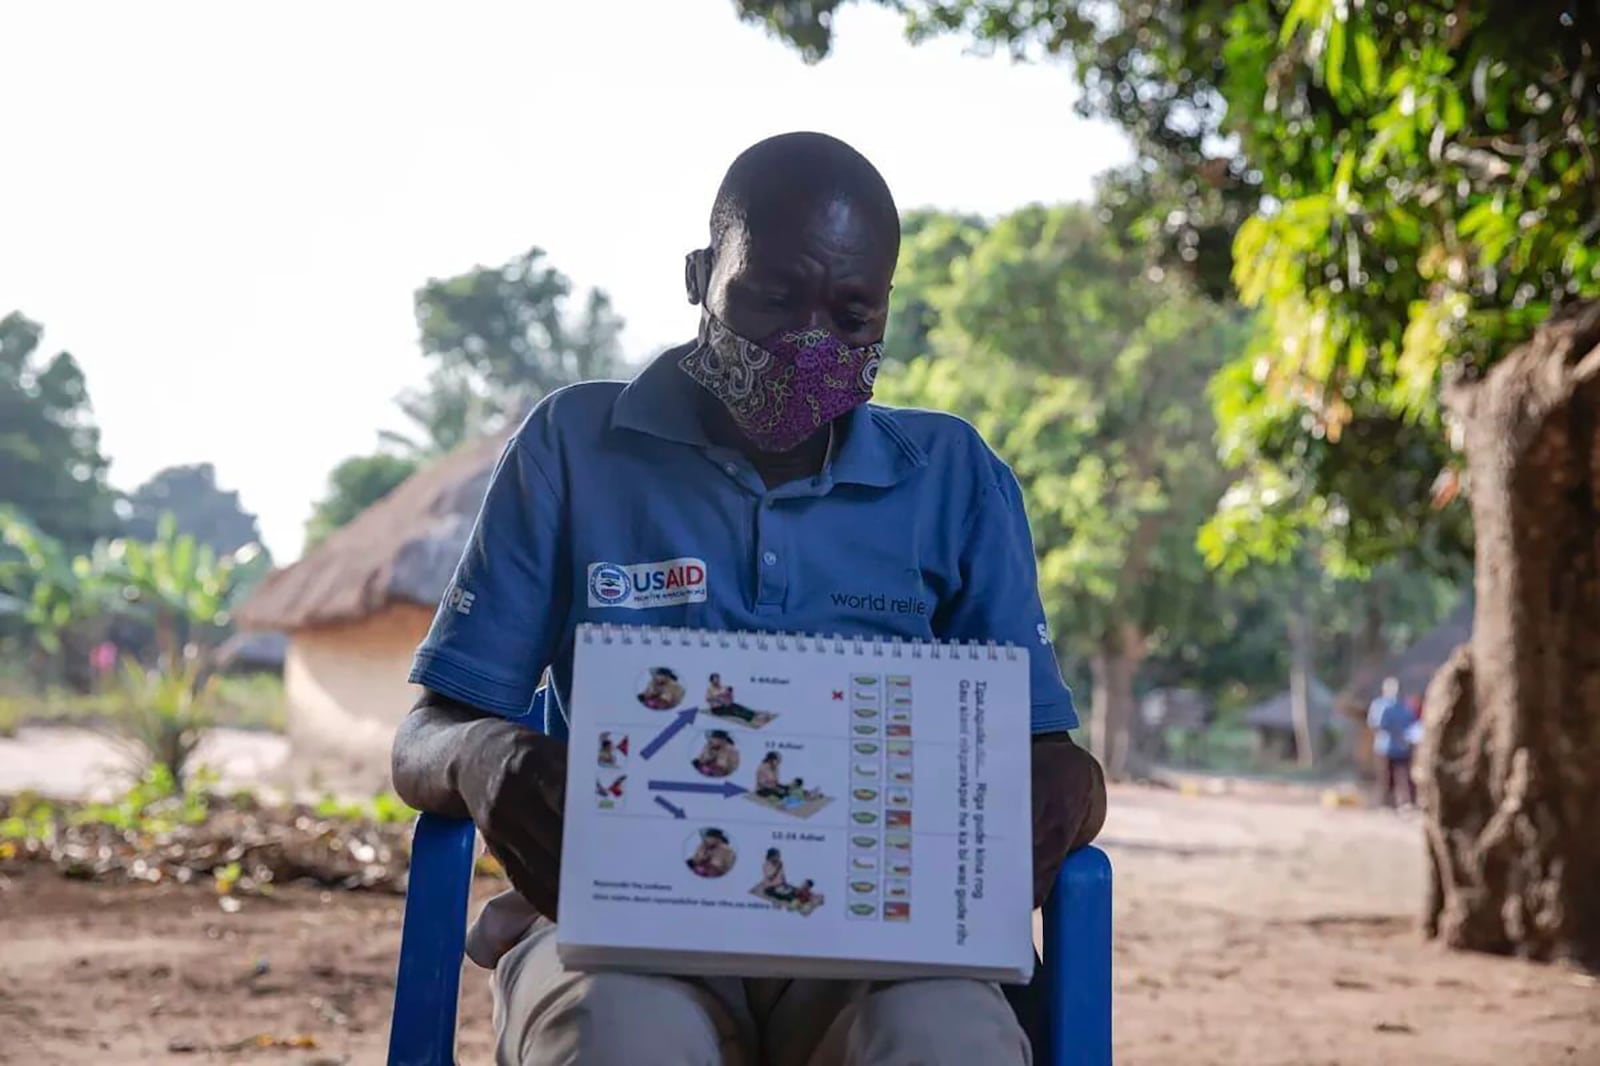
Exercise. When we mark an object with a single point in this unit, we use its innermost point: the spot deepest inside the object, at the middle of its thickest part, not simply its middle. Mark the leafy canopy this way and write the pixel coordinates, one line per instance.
(1410, 187)
(1087, 374)
(51, 469)
(499, 339)
(354, 485)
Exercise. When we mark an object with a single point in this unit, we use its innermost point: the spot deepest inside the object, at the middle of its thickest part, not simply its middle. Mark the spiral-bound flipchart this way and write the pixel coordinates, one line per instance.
(778, 804)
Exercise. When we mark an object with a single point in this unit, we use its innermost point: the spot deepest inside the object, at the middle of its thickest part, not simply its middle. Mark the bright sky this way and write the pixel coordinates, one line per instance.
(222, 210)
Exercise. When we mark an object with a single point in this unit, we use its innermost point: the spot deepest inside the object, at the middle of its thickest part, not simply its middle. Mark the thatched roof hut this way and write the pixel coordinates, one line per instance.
(401, 550)
(1276, 714)
(355, 608)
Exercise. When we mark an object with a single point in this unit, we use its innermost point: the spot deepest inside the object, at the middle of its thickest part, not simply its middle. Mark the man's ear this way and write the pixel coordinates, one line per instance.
(697, 274)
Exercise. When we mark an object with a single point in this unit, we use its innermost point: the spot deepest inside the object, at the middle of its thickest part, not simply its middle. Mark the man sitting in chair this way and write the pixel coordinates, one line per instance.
(752, 453)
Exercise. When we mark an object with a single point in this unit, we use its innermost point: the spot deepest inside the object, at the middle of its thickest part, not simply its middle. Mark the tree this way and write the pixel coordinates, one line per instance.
(354, 485)
(500, 338)
(1089, 391)
(931, 244)
(51, 469)
(198, 506)
(1426, 262)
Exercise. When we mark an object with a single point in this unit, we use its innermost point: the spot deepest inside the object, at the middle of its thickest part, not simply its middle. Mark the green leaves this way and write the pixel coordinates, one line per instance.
(40, 582)
(1418, 178)
(164, 715)
(171, 575)
(179, 584)
(1086, 373)
(51, 468)
(354, 485)
(502, 337)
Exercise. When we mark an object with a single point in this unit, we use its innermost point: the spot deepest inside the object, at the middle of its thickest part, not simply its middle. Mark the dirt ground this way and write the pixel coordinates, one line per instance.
(1252, 929)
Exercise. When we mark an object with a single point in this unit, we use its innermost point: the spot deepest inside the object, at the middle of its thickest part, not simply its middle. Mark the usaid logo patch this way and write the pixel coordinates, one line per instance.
(639, 586)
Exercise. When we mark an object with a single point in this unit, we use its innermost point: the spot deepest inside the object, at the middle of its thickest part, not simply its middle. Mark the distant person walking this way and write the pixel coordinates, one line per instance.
(1393, 732)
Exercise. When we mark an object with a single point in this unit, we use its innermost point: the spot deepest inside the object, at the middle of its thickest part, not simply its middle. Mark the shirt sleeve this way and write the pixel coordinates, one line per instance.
(999, 599)
(497, 625)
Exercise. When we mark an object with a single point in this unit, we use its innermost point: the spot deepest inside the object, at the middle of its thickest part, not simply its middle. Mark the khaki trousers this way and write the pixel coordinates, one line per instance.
(547, 1016)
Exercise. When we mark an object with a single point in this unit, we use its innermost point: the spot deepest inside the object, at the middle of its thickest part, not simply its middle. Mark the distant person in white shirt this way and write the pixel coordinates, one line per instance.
(1393, 728)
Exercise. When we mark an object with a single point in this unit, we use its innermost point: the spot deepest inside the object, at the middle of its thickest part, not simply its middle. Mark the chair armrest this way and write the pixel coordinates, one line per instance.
(1077, 963)
(428, 980)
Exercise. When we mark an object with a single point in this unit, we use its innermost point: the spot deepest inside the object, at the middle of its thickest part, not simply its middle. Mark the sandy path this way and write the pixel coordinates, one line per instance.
(1248, 932)
(72, 763)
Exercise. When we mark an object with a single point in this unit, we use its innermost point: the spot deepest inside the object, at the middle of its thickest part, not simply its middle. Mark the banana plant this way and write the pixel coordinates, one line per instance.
(179, 584)
(40, 584)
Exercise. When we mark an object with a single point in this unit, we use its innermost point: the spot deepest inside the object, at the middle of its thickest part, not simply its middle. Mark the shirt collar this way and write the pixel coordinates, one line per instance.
(869, 448)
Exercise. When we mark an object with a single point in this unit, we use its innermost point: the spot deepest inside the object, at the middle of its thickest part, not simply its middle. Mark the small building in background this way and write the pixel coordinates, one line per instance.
(1272, 720)
(253, 653)
(353, 611)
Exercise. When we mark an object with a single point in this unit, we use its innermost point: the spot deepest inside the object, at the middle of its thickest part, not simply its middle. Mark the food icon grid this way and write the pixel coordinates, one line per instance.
(878, 877)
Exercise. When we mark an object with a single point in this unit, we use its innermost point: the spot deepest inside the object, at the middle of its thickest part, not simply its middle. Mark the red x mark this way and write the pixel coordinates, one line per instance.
(838, 694)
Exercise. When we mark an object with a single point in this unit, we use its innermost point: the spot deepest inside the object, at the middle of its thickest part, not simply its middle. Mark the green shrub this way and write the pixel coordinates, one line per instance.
(163, 715)
(384, 808)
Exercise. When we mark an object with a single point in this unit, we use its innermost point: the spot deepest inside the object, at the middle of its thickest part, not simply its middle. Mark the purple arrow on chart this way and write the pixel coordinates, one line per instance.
(673, 809)
(721, 788)
(674, 727)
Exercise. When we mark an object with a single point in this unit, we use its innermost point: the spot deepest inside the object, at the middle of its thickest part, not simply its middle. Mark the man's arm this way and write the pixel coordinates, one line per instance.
(1069, 805)
(439, 744)
(491, 639)
(454, 759)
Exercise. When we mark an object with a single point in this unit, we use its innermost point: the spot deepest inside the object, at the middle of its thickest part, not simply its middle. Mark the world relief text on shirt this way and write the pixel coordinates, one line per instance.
(971, 794)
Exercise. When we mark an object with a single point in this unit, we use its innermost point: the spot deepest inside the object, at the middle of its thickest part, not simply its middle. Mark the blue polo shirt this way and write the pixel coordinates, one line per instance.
(611, 505)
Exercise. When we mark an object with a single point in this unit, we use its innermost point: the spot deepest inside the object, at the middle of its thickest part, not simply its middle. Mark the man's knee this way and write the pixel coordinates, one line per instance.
(549, 1016)
(935, 1022)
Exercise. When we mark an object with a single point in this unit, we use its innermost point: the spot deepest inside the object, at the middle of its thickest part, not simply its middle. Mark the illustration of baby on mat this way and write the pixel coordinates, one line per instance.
(775, 888)
(788, 797)
(721, 704)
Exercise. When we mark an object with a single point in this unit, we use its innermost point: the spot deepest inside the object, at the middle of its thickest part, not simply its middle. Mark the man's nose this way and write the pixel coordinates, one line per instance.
(819, 318)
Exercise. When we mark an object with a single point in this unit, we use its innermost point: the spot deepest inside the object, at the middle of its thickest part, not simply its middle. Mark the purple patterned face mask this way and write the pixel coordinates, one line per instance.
(785, 388)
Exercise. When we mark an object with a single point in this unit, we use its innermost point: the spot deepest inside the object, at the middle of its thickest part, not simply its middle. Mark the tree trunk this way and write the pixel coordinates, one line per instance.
(1301, 667)
(1369, 656)
(1511, 750)
(1117, 736)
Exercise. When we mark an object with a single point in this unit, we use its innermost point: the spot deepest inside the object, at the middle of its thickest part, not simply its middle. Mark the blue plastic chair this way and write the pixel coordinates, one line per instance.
(1074, 1005)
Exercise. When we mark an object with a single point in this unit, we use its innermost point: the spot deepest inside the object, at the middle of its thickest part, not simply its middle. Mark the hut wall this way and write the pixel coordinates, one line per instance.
(346, 690)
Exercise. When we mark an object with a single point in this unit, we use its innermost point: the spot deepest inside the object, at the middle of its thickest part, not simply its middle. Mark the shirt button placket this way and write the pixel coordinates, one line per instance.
(771, 583)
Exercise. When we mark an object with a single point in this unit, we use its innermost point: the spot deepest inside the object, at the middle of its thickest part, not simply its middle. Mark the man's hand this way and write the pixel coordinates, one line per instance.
(514, 783)
(1069, 806)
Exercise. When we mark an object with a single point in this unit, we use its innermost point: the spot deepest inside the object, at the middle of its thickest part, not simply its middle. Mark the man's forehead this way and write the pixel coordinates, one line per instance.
(779, 240)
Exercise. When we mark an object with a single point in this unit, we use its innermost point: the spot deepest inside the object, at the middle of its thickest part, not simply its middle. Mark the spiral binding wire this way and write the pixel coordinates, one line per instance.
(838, 644)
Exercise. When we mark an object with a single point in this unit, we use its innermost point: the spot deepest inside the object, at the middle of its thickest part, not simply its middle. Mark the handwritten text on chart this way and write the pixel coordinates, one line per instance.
(971, 797)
